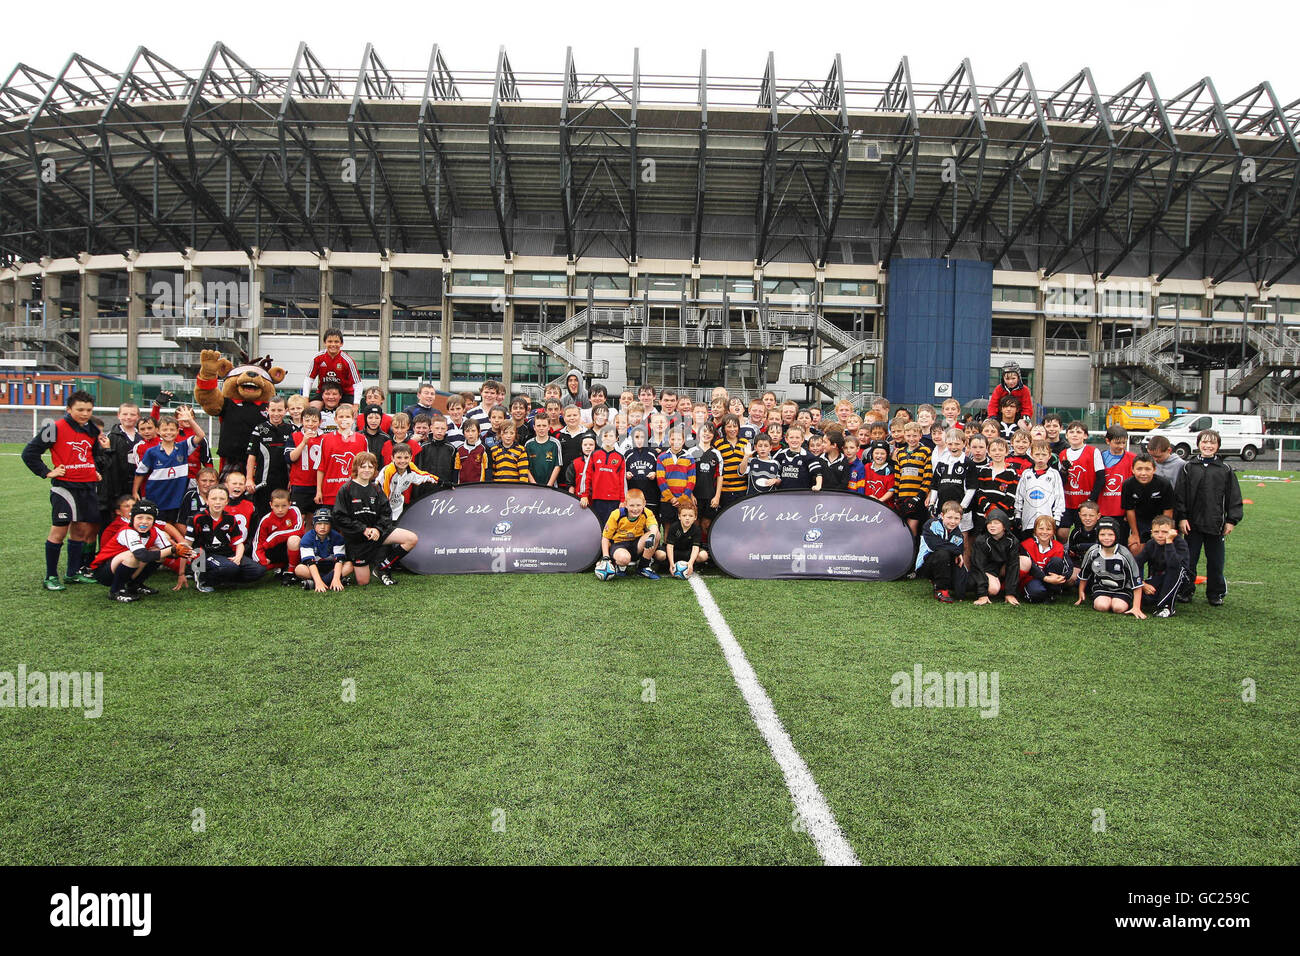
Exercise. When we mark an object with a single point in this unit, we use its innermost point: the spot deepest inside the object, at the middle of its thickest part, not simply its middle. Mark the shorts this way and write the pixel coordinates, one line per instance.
(73, 502)
(1125, 596)
(1068, 519)
(363, 552)
(170, 516)
(277, 555)
(303, 497)
(628, 546)
(913, 508)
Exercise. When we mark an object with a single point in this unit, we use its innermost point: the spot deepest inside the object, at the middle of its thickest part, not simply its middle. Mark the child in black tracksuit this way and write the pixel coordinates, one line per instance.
(1207, 502)
(995, 560)
(1166, 560)
(364, 517)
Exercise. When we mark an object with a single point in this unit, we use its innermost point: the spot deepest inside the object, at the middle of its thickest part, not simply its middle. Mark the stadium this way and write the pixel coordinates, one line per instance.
(683, 231)
(822, 238)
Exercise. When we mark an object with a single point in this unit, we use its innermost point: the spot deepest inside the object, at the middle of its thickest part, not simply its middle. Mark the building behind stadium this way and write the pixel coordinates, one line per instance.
(822, 238)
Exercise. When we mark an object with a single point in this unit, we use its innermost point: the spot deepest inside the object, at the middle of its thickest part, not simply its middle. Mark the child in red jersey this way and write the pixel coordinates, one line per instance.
(304, 461)
(470, 456)
(238, 505)
(879, 474)
(1084, 474)
(602, 482)
(1044, 568)
(1118, 461)
(401, 435)
(333, 362)
(275, 543)
(336, 453)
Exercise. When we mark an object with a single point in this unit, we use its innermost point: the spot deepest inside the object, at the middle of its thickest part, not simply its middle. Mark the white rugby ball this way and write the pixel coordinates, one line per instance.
(679, 570)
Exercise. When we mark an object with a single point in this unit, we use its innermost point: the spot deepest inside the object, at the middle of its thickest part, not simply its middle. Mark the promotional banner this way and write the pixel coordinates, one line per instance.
(806, 534)
(487, 529)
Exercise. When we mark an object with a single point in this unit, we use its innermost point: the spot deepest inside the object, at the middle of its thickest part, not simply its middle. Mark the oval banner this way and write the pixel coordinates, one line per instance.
(493, 529)
(811, 534)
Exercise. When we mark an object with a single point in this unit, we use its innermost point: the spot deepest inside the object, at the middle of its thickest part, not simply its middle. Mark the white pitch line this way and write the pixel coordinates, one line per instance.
(808, 799)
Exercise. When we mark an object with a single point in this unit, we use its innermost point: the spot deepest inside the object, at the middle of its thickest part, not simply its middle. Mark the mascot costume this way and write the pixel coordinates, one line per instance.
(240, 402)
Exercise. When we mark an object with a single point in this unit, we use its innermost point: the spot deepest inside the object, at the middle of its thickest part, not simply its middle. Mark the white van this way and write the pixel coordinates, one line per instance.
(1241, 434)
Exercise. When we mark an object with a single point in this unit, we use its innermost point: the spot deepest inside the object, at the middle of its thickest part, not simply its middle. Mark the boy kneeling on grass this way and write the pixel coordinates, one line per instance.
(939, 556)
(682, 538)
(996, 560)
(1110, 575)
(631, 531)
(130, 556)
(1167, 561)
(363, 515)
(322, 554)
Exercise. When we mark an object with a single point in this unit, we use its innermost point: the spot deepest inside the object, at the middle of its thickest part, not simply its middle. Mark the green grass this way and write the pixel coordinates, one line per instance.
(524, 694)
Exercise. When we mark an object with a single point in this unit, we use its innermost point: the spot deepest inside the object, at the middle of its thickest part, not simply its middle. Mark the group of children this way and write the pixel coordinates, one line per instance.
(1006, 509)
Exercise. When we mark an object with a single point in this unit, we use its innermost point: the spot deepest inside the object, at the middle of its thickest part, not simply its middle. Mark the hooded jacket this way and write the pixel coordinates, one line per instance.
(1208, 495)
(567, 397)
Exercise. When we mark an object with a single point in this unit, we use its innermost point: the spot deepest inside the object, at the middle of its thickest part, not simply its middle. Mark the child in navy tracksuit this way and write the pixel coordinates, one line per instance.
(1166, 560)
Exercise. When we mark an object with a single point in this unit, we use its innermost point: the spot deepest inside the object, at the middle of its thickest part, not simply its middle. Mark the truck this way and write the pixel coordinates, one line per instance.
(1242, 435)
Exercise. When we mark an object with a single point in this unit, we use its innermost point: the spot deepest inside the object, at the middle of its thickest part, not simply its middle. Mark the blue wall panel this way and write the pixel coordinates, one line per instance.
(938, 328)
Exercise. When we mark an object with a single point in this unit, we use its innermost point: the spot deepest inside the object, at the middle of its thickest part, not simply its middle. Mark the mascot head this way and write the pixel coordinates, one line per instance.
(254, 382)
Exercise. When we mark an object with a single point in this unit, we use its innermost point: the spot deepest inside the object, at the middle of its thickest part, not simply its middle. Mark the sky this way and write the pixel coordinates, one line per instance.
(1237, 45)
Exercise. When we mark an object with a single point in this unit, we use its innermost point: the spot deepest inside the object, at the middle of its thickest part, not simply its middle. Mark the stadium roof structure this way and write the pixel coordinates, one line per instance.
(638, 165)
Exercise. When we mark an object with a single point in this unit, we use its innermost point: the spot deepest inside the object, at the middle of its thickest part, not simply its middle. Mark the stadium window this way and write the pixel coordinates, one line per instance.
(367, 363)
(480, 280)
(1184, 303)
(412, 366)
(1015, 293)
(471, 365)
(108, 361)
(670, 284)
(603, 282)
(1229, 303)
(788, 286)
(712, 284)
(525, 365)
(557, 281)
(742, 288)
(1288, 306)
(865, 288)
(866, 381)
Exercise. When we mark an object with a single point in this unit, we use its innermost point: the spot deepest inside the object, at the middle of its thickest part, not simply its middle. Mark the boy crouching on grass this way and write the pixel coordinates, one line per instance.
(1167, 561)
(940, 554)
(631, 531)
(362, 514)
(996, 560)
(322, 556)
(135, 552)
(1110, 575)
(215, 532)
(682, 539)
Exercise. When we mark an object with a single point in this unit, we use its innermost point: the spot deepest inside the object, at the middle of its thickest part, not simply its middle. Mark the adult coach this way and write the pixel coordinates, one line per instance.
(74, 499)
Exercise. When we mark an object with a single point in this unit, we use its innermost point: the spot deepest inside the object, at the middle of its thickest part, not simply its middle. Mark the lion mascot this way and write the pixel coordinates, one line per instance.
(240, 401)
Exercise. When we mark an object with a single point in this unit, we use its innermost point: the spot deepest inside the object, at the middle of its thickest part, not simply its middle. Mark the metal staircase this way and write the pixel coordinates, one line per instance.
(850, 348)
(551, 340)
(1275, 351)
(1147, 355)
(52, 345)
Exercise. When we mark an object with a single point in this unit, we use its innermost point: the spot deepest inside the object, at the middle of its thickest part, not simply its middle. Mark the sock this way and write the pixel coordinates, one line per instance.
(121, 577)
(642, 563)
(395, 555)
(295, 558)
(52, 558)
(74, 556)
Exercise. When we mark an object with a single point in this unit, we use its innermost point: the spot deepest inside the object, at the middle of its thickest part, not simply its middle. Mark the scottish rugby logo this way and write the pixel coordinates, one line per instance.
(500, 528)
(812, 534)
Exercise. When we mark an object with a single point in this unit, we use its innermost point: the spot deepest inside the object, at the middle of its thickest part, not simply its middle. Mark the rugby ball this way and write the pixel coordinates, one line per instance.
(679, 570)
(605, 569)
